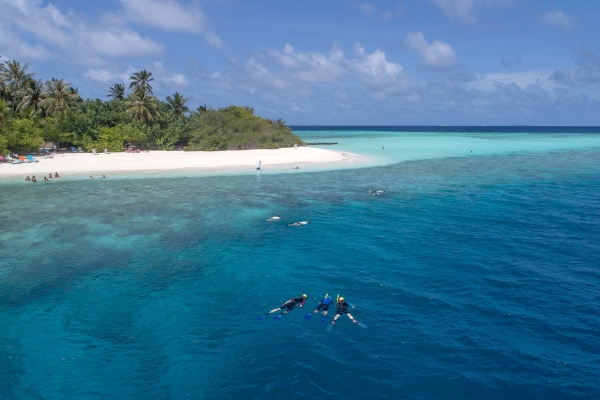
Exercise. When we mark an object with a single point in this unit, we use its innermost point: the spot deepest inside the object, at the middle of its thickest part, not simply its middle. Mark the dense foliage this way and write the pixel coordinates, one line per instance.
(33, 113)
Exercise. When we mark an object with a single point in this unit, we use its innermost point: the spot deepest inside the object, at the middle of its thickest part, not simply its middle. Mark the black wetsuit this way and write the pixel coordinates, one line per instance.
(291, 303)
(342, 308)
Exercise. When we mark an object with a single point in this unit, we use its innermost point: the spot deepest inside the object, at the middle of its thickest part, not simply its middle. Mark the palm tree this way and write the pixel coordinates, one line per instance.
(33, 96)
(201, 109)
(142, 107)
(117, 92)
(177, 104)
(15, 75)
(2, 110)
(141, 81)
(59, 97)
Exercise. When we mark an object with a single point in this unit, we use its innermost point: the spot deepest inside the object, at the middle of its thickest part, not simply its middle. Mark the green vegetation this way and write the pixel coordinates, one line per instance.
(33, 112)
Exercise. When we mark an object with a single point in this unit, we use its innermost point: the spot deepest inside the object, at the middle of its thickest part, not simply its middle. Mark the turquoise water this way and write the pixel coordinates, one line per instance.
(476, 273)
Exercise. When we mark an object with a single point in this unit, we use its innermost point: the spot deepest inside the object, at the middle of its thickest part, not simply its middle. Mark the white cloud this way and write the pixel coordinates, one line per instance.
(374, 69)
(465, 10)
(558, 19)
(169, 15)
(70, 35)
(120, 43)
(371, 10)
(522, 79)
(178, 79)
(437, 55)
(310, 67)
(13, 47)
(367, 8)
(104, 75)
(301, 74)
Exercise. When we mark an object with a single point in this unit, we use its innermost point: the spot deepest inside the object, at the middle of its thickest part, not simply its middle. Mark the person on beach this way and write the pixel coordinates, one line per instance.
(290, 304)
(56, 175)
(343, 308)
(33, 179)
(324, 305)
(28, 178)
(300, 223)
(258, 165)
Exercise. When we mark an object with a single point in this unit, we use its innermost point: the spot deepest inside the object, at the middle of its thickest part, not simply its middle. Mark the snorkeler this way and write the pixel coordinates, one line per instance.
(343, 308)
(300, 223)
(377, 192)
(323, 305)
(288, 306)
(275, 218)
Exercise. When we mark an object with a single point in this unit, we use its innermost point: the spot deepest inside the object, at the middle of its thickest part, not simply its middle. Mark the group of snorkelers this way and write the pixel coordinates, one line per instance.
(278, 218)
(343, 308)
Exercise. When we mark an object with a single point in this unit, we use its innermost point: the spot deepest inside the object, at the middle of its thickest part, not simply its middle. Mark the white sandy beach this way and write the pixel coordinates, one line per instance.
(159, 161)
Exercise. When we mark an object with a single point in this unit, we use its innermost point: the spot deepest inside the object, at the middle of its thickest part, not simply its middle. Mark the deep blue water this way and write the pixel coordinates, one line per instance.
(477, 276)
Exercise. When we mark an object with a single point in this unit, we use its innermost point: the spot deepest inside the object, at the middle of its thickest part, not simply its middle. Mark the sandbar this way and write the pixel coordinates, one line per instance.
(163, 161)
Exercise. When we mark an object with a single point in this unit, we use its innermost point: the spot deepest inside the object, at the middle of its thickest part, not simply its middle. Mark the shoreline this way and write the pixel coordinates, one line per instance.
(160, 161)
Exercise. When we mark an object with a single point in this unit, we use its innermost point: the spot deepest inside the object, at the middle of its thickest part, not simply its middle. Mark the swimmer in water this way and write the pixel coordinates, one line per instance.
(300, 223)
(377, 192)
(287, 306)
(275, 218)
(343, 308)
(324, 305)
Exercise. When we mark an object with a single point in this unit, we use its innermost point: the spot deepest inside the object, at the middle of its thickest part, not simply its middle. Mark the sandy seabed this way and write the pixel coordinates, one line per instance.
(164, 161)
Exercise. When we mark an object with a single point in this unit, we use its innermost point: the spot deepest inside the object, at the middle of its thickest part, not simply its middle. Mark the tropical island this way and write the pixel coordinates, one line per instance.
(52, 117)
(34, 113)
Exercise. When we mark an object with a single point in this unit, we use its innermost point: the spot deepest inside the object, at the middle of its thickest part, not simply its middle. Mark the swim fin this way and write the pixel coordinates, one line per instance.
(362, 325)
(277, 318)
(261, 317)
(323, 320)
(329, 327)
(308, 316)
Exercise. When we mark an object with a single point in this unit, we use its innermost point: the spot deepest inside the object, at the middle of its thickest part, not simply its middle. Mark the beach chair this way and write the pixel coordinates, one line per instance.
(23, 159)
(94, 152)
(73, 149)
(30, 158)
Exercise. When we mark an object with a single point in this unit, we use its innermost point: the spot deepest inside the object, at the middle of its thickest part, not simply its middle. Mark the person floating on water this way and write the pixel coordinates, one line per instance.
(275, 218)
(287, 306)
(300, 223)
(323, 305)
(343, 307)
(377, 192)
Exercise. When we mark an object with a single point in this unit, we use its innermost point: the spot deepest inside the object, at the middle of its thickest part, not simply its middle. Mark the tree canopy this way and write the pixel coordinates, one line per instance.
(34, 112)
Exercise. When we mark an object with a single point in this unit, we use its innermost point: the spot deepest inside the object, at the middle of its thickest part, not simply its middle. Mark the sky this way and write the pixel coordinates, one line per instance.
(315, 62)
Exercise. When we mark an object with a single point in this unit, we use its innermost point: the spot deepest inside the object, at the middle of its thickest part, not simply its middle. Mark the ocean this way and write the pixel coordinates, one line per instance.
(476, 272)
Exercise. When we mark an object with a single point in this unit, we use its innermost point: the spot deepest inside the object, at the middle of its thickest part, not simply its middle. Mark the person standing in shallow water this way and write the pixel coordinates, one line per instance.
(258, 165)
